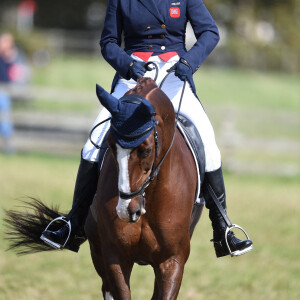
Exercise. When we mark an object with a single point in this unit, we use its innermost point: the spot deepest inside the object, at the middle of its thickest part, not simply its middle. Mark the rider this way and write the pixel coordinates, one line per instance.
(158, 36)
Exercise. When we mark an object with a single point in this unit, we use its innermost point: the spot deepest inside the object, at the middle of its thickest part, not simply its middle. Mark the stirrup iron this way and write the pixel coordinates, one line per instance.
(237, 252)
(53, 244)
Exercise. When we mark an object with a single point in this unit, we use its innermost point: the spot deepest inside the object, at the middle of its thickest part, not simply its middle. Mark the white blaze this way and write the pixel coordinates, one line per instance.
(123, 181)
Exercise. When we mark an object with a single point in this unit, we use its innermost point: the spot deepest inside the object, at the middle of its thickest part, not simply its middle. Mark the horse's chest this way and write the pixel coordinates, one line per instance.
(137, 235)
(149, 238)
(147, 243)
(159, 240)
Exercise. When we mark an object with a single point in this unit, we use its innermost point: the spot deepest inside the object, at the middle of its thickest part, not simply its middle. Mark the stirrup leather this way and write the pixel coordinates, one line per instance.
(53, 244)
(237, 252)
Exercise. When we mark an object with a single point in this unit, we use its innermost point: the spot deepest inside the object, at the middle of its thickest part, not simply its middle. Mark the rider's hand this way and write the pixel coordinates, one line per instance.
(136, 69)
(183, 70)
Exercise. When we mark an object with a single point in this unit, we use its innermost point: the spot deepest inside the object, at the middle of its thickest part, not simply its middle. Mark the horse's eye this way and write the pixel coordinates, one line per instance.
(143, 153)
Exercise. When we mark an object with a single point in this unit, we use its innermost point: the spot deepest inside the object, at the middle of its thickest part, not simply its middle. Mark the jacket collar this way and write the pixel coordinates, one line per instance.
(152, 7)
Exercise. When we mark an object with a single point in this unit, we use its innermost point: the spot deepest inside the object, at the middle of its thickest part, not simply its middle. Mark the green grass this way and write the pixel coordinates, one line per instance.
(57, 105)
(249, 89)
(268, 208)
(74, 72)
(241, 88)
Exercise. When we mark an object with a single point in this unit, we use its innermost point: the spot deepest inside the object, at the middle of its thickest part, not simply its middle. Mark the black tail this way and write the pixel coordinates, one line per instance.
(23, 229)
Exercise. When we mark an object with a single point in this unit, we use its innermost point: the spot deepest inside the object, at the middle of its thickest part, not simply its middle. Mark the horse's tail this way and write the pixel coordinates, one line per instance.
(24, 228)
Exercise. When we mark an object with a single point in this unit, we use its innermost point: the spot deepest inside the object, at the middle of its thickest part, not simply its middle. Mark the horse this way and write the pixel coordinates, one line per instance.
(144, 209)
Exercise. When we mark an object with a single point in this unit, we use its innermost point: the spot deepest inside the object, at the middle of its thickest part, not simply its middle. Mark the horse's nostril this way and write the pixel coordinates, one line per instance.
(135, 216)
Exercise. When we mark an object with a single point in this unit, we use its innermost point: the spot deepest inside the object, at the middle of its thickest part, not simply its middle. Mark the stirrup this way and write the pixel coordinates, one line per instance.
(51, 243)
(237, 252)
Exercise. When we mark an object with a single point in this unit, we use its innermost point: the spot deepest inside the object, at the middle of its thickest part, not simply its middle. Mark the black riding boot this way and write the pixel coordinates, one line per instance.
(85, 189)
(215, 180)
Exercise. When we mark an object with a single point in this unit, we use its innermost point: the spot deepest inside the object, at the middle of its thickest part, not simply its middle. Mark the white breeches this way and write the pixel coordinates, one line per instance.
(190, 108)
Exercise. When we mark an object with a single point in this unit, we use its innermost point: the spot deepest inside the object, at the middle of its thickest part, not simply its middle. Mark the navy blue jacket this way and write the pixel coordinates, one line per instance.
(156, 26)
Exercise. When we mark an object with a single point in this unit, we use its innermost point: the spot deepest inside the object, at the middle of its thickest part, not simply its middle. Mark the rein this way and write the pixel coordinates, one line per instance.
(155, 169)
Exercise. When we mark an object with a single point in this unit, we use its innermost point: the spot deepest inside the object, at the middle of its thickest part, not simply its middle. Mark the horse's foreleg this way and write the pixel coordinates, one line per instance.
(117, 277)
(168, 279)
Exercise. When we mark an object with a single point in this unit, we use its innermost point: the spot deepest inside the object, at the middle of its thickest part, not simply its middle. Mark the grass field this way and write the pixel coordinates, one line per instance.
(219, 86)
(267, 206)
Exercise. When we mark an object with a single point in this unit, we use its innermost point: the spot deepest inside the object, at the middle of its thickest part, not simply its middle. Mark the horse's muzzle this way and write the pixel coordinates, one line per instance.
(130, 210)
(134, 217)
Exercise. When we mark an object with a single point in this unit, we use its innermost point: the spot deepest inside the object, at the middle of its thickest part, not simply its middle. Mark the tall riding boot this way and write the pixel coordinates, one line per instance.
(85, 189)
(215, 180)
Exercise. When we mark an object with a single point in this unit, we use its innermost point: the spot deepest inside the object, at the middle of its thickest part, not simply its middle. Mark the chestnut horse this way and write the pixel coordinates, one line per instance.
(154, 227)
(149, 223)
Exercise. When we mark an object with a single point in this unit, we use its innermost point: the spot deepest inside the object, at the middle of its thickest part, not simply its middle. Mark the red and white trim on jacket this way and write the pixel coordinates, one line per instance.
(146, 55)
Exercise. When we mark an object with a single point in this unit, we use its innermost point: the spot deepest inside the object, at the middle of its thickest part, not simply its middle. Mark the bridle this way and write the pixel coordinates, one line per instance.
(153, 173)
(155, 168)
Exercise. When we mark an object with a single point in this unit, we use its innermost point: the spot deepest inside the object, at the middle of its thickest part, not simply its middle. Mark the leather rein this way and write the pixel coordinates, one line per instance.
(155, 168)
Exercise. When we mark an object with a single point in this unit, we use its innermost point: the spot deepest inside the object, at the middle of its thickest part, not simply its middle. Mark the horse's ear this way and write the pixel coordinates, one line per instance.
(110, 102)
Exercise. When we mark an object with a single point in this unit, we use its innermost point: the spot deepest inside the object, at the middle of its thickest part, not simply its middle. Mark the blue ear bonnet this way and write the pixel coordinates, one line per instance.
(132, 118)
(134, 122)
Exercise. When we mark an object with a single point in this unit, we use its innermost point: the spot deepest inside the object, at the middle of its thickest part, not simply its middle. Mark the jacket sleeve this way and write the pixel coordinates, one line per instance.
(206, 33)
(111, 39)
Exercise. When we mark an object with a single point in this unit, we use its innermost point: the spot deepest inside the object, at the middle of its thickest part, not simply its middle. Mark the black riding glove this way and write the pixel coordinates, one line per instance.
(183, 70)
(136, 70)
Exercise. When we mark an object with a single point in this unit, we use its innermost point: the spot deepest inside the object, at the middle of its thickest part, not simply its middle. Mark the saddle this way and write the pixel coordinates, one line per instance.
(194, 142)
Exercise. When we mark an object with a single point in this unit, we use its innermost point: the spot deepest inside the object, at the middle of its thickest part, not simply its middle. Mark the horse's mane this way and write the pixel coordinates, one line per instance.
(147, 88)
(143, 87)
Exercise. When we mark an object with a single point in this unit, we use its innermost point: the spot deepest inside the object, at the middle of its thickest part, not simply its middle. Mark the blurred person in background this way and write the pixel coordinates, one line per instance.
(13, 61)
(158, 37)
(14, 71)
(6, 127)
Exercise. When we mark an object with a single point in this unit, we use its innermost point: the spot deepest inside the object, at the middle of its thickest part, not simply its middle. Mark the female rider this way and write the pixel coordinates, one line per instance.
(154, 31)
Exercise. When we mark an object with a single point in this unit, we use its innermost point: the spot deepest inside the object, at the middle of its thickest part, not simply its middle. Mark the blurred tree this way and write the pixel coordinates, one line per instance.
(254, 33)
(67, 14)
(259, 33)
